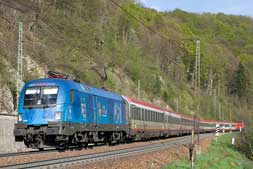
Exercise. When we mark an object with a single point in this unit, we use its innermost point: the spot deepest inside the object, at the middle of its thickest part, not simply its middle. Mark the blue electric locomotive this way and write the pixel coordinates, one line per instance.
(59, 112)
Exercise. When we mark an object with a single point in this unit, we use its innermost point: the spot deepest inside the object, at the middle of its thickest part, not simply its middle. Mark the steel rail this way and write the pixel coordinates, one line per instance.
(23, 153)
(88, 158)
(26, 153)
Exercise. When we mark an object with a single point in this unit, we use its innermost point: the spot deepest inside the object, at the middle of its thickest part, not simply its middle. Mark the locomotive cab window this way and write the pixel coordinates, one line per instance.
(40, 97)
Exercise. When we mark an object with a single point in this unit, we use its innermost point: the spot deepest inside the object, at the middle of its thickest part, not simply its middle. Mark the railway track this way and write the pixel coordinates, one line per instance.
(89, 158)
(26, 153)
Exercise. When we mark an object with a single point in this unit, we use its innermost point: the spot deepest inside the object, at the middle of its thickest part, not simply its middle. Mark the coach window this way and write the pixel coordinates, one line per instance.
(144, 115)
(138, 114)
(147, 115)
(170, 119)
(135, 113)
(141, 114)
(146, 111)
(132, 112)
(150, 115)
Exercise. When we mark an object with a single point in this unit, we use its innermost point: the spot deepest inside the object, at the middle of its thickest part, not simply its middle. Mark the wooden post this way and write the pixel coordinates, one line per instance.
(191, 150)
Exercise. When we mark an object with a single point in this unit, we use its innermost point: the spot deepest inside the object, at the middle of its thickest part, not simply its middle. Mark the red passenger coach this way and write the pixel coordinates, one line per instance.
(240, 126)
(147, 120)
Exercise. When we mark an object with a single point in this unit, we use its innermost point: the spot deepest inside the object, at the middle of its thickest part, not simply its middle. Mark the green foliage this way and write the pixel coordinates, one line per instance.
(245, 143)
(157, 85)
(242, 82)
(221, 155)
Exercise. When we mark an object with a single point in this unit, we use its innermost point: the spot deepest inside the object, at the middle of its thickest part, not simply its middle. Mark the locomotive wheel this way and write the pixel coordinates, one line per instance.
(85, 145)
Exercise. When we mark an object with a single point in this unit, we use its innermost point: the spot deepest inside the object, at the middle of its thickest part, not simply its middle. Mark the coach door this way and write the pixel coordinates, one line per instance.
(75, 107)
(95, 110)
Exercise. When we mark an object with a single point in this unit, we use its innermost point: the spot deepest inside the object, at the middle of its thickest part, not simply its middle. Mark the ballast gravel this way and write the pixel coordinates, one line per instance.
(68, 153)
(154, 160)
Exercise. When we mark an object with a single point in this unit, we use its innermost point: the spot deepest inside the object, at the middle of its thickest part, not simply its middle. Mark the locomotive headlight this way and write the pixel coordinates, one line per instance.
(20, 117)
(58, 115)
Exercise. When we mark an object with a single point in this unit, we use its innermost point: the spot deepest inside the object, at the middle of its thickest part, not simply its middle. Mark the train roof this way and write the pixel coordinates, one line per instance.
(152, 106)
(70, 84)
(171, 111)
(142, 103)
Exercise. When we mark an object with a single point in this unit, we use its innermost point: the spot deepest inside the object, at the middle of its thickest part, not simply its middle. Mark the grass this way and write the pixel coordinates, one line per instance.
(221, 155)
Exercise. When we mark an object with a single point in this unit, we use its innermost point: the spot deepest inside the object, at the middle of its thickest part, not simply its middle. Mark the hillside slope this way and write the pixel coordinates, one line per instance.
(133, 43)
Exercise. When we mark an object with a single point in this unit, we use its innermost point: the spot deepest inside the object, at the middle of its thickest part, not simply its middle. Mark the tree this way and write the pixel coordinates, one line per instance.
(241, 82)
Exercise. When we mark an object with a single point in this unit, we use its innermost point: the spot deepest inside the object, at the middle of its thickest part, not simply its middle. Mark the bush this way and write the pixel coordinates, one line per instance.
(245, 143)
